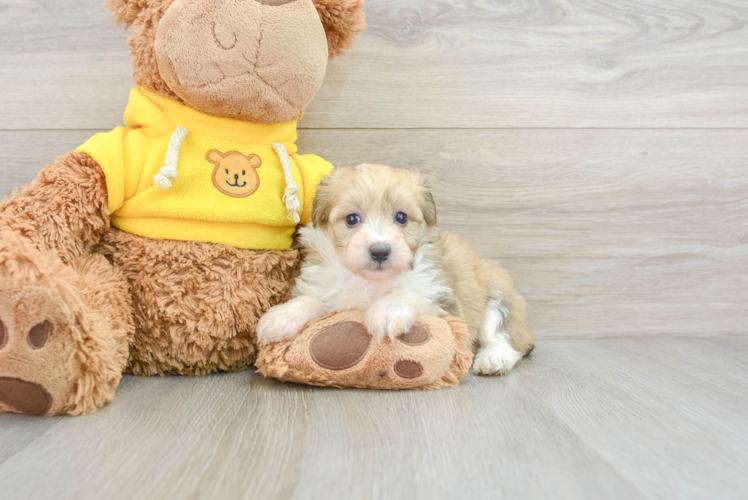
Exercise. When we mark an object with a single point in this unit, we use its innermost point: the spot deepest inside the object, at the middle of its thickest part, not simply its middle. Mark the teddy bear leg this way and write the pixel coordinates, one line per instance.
(65, 330)
(197, 304)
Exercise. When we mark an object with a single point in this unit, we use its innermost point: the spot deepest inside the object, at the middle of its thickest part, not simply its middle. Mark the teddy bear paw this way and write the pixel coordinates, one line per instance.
(348, 344)
(33, 359)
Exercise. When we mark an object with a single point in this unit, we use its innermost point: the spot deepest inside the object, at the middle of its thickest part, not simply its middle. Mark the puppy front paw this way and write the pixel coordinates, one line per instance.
(285, 321)
(390, 318)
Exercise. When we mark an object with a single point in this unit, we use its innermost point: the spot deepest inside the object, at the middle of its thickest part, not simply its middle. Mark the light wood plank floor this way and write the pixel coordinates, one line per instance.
(599, 149)
(590, 418)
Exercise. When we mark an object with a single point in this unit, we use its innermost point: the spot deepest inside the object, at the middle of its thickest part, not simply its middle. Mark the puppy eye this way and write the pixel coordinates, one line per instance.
(401, 218)
(244, 172)
(353, 220)
(227, 170)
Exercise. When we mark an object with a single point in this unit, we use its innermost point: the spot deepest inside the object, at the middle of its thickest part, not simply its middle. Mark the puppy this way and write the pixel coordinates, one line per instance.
(373, 244)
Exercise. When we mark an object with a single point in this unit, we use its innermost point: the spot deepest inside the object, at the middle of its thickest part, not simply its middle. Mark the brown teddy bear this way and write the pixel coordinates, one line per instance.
(156, 247)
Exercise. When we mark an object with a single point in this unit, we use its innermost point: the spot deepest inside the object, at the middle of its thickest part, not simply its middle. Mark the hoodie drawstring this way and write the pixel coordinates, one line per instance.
(169, 171)
(291, 195)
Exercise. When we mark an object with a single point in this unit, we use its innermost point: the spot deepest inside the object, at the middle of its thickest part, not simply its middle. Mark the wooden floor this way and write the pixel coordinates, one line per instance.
(598, 148)
(589, 418)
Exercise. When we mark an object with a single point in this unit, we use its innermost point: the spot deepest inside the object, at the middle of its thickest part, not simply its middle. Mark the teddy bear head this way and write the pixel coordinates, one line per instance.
(255, 60)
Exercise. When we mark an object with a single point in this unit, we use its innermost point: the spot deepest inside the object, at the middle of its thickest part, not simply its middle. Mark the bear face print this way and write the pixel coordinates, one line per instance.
(235, 174)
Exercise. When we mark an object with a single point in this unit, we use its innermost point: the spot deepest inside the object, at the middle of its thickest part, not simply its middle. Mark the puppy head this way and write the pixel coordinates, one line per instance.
(376, 217)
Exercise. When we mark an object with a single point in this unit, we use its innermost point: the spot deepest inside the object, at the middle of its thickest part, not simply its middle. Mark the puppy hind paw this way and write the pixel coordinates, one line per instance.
(496, 359)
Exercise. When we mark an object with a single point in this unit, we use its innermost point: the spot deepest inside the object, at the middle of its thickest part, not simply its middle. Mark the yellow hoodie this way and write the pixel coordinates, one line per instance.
(176, 173)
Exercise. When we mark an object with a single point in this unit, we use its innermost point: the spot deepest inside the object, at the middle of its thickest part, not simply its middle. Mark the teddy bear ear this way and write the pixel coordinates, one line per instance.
(125, 11)
(343, 20)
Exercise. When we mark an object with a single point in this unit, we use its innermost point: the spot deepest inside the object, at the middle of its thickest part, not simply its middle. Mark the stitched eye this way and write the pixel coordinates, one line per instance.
(227, 171)
(353, 220)
(244, 172)
(401, 218)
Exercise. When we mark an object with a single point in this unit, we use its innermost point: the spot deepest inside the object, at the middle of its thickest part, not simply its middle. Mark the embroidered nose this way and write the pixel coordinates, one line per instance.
(236, 177)
(380, 253)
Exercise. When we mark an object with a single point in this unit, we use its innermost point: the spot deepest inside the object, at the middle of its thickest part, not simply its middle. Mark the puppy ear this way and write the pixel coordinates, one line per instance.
(343, 20)
(427, 205)
(125, 11)
(323, 201)
(428, 208)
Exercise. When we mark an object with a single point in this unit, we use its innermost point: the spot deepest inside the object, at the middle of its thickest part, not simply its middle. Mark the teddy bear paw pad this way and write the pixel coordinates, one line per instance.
(34, 354)
(407, 368)
(340, 346)
(18, 394)
(418, 335)
(24, 397)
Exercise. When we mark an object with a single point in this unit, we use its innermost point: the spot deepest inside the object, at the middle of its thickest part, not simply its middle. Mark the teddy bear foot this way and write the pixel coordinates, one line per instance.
(63, 341)
(35, 347)
(20, 396)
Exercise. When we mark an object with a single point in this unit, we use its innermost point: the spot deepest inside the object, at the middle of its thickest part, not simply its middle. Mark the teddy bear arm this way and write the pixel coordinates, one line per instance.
(65, 209)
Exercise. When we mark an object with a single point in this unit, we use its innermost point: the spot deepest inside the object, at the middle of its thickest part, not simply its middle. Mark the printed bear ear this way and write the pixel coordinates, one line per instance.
(214, 156)
(125, 11)
(343, 20)
(254, 161)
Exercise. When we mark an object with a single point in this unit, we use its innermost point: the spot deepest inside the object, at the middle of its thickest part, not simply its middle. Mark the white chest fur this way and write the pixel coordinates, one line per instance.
(340, 289)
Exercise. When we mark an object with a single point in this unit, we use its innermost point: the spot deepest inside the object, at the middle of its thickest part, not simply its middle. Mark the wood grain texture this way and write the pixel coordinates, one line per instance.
(431, 64)
(606, 232)
(583, 419)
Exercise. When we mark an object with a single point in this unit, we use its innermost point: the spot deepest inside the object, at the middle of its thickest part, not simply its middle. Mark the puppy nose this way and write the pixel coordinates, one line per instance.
(236, 176)
(380, 253)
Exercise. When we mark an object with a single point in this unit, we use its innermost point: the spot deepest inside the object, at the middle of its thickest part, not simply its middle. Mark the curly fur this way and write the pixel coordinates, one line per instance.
(197, 304)
(143, 16)
(125, 11)
(343, 20)
(64, 209)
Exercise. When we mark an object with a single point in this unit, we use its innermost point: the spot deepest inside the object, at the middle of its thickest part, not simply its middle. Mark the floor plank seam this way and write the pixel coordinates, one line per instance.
(646, 336)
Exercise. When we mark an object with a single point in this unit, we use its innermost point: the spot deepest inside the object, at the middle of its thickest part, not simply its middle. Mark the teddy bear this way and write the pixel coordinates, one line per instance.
(155, 248)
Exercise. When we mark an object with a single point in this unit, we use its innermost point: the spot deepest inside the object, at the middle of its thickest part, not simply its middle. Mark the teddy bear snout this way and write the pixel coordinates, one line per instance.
(225, 39)
(255, 60)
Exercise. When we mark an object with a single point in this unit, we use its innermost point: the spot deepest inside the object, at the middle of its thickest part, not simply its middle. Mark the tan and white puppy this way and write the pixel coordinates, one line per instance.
(374, 245)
